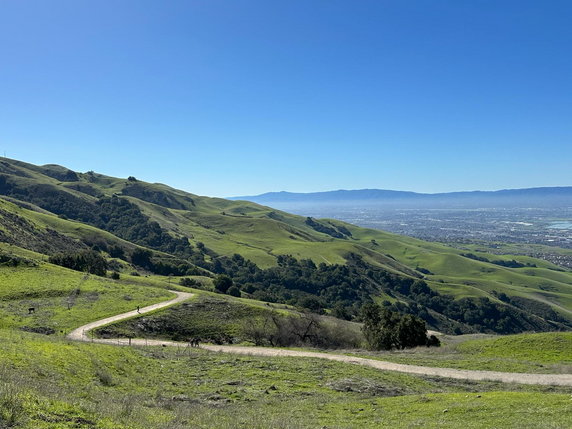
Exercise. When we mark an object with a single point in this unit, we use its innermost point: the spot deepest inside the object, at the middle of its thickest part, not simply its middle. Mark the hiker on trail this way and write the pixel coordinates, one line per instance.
(138, 310)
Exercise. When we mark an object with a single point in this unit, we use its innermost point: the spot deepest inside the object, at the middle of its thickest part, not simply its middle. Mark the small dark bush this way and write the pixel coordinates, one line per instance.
(188, 282)
(44, 330)
(234, 291)
(433, 341)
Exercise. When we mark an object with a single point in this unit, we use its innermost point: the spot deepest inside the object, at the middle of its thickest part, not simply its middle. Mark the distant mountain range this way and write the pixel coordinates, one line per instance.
(529, 197)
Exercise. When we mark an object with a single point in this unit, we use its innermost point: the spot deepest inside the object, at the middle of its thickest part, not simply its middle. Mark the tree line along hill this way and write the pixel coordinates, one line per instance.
(92, 222)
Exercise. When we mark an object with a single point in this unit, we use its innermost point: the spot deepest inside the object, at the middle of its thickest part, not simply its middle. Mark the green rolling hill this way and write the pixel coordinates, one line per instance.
(50, 209)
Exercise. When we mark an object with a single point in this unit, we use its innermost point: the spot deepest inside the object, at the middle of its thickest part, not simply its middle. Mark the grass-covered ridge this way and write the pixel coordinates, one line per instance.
(186, 231)
(552, 347)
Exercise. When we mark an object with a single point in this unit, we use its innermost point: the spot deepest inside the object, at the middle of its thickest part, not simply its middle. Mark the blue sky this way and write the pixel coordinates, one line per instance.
(227, 98)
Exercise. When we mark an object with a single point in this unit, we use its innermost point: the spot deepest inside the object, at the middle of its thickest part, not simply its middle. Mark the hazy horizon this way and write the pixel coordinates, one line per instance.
(401, 190)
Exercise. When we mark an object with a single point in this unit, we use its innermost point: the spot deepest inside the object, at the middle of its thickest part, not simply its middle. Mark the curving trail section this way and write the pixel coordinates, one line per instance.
(461, 374)
(80, 334)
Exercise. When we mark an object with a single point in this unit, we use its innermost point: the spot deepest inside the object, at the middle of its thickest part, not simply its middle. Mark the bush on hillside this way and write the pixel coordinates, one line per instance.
(142, 258)
(116, 251)
(14, 261)
(234, 291)
(185, 281)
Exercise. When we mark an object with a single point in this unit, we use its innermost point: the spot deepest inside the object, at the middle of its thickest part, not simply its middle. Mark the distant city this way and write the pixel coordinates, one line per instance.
(551, 227)
(540, 216)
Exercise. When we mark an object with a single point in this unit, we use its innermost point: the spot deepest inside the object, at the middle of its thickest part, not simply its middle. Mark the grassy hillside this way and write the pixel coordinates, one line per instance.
(88, 209)
(547, 348)
(64, 299)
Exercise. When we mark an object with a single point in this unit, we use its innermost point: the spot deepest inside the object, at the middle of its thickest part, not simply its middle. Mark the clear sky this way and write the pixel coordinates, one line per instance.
(241, 97)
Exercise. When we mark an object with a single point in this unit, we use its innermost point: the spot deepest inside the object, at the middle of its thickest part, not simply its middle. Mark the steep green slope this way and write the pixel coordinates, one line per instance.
(104, 211)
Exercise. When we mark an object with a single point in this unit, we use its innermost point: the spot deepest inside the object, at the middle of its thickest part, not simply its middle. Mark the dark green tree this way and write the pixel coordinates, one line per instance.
(312, 303)
(116, 251)
(222, 283)
(142, 258)
(411, 332)
(234, 291)
(384, 329)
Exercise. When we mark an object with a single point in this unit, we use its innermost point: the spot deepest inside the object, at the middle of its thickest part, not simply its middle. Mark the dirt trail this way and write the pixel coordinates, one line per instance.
(79, 334)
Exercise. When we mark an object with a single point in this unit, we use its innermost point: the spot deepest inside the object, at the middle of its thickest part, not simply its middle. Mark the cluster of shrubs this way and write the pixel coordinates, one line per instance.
(224, 284)
(305, 329)
(15, 261)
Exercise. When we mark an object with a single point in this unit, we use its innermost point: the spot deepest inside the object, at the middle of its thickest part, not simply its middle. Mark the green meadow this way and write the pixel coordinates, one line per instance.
(49, 382)
(64, 299)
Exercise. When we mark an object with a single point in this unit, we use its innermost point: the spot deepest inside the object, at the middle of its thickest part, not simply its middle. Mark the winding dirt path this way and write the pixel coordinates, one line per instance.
(80, 334)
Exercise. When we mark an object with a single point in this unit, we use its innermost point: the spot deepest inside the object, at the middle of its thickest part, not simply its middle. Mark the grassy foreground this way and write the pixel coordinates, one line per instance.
(47, 382)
